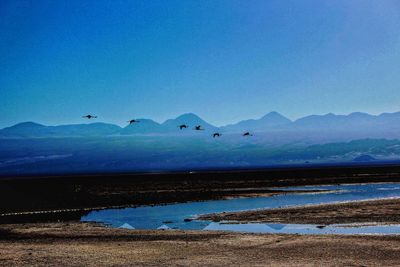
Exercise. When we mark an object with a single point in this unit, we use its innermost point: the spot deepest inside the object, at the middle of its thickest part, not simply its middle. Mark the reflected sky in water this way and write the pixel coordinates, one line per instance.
(272, 228)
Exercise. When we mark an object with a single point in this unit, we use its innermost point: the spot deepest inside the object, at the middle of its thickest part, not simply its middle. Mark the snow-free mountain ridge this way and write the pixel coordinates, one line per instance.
(357, 123)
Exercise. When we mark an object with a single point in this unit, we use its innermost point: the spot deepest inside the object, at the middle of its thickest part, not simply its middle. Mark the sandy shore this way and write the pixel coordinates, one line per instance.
(82, 244)
(381, 211)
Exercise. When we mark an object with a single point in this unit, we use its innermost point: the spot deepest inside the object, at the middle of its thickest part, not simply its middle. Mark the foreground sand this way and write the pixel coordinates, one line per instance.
(82, 244)
(381, 211)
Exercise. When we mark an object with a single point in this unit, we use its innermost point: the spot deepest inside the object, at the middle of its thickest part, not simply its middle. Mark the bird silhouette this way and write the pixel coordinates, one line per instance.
(132, 121)
(198, 128)
(183, 126)
(247, 134)
(89, 117)
(216, 135)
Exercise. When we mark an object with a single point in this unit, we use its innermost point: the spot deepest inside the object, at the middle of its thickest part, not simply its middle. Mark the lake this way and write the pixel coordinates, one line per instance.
(181, 215)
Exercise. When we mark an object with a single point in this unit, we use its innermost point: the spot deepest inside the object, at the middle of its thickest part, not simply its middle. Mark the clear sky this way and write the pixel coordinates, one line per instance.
(223, 60)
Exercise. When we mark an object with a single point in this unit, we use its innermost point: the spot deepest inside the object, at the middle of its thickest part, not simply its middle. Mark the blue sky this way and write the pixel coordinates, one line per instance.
(223, 60)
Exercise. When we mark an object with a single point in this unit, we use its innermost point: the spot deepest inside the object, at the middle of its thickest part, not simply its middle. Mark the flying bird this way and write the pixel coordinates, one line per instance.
(132, 121)
(183, 126)
(216, 135)
(89, 117)
(247, 134)
(198, 128)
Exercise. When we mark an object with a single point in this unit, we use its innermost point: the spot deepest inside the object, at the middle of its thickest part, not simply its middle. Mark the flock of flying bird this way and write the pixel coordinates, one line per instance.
(182, 126)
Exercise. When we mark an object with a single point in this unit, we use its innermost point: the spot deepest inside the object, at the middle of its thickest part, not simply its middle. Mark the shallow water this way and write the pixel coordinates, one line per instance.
(174, 215)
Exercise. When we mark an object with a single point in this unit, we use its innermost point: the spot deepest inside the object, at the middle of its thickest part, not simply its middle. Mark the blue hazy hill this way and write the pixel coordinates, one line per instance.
(270, 122)
(351, 122)
(144, 126)
(189, 119)
(30, 129)
(24, 129)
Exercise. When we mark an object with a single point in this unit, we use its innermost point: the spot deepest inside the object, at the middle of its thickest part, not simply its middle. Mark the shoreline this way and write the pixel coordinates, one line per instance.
(382, 211)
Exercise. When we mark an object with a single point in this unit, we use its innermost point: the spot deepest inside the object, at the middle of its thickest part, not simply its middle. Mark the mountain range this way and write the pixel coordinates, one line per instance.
(354, 125)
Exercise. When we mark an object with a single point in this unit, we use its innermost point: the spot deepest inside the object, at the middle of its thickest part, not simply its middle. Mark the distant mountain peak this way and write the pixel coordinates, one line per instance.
(143, 126)
(188, 116)
(27, 124)
(271, 121)
(273, 113)
(190, 119)
(386, 114)
(276, 116)
(142, 121)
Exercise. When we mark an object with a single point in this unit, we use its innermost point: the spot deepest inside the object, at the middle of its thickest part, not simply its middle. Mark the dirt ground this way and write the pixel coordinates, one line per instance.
(83, 244)
(382, 211)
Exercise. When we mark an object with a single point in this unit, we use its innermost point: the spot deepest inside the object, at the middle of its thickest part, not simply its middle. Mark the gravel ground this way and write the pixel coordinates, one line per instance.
(83, 244)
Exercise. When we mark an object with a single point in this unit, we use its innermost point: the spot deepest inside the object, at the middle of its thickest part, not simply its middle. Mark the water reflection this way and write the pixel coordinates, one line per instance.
(304, 228)
(126, 226)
